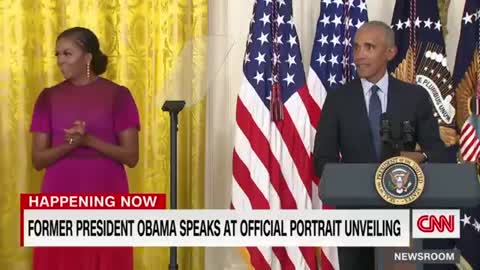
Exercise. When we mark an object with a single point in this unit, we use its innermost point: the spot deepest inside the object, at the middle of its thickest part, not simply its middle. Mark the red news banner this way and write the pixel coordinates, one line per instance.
(141, 220)
(92, 201)
(80, 202)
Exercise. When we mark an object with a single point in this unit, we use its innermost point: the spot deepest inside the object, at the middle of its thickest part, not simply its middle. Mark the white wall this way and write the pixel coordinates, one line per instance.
(228, 29)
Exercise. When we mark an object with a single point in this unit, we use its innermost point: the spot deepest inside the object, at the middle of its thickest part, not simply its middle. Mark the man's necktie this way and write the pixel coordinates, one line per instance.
(374, 115)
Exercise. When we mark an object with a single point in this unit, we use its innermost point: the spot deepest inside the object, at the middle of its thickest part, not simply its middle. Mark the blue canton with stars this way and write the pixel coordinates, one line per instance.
(332, 55)
(469, 39)
(259, 56)
(469, 242)
(427, 24)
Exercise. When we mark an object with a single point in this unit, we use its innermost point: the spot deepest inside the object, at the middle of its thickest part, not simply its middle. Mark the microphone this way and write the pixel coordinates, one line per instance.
(408, 132)
(385, 129)
(386, 137)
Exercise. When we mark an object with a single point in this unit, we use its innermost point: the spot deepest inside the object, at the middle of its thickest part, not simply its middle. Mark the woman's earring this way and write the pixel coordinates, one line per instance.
(88, 72)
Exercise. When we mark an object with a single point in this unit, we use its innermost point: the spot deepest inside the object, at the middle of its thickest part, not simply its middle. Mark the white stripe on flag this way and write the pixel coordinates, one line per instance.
(467, 140)
(472, 149)
(475, 157)
(467, 128)
(301, 120)
(316, 88)
(258, 172)
(239, 199)
(267, 253)
(332, 254)
(297, 258)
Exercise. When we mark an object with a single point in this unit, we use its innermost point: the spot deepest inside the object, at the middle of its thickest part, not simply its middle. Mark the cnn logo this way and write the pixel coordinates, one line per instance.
(436, 223)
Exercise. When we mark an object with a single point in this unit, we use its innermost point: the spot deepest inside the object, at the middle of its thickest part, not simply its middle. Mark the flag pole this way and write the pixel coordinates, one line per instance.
(478, 59)
(173, 107)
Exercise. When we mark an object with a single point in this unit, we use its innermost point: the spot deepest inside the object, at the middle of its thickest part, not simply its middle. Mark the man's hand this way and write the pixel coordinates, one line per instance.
(449, 136)
(416, 156)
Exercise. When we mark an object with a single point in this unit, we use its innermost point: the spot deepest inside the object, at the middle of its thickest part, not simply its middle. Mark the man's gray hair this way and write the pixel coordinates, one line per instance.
(389, 34)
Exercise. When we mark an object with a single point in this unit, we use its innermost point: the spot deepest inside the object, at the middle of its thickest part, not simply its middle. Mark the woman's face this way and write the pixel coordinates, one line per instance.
(71, 58)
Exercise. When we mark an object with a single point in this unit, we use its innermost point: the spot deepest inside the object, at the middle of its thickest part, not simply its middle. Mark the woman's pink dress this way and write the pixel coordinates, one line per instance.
(107, 109)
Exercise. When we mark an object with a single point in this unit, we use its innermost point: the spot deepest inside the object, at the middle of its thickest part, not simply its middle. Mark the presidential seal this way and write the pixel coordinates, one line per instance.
(399, 180)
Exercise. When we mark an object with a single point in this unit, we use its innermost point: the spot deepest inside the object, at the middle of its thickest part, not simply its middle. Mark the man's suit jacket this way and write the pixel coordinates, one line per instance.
(344, 126)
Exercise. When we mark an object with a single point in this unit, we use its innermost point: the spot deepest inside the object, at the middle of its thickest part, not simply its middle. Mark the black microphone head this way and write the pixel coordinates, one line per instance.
(407, 127)
(408, 132)
(385, 128)
(386, 134)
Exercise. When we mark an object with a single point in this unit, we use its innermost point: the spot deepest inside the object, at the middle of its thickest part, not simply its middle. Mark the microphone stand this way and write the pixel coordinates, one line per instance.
(173, 107)
(388, 143)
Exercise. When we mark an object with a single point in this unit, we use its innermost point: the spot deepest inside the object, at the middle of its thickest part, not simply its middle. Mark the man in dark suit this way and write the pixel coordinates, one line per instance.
(349, 128)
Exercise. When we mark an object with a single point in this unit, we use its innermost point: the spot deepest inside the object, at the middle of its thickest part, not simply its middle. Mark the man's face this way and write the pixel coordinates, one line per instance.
(371, 53)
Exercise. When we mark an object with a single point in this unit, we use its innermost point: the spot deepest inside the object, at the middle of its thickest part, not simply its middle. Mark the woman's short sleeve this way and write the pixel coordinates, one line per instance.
(125, 112)
(41, 116)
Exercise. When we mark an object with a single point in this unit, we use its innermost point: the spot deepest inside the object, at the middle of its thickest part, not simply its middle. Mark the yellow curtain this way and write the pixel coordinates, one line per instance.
(157, 48)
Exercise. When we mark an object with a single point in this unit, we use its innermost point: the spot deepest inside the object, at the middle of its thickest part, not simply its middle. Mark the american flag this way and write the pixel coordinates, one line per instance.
(469, 242)
(466, 77)
(467, 80)
(469, 141)
(275, 127)
(332, 65)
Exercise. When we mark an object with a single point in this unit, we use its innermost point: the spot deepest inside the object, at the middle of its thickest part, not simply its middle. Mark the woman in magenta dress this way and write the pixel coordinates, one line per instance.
(85, 129)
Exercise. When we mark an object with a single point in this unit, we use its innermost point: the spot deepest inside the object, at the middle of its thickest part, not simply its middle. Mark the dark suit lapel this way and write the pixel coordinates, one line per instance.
(394, 97)
(394, 107)
(358, 102)
(360, 99)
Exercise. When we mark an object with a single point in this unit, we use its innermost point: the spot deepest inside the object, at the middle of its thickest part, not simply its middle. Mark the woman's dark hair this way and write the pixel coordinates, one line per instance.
(86, 39)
